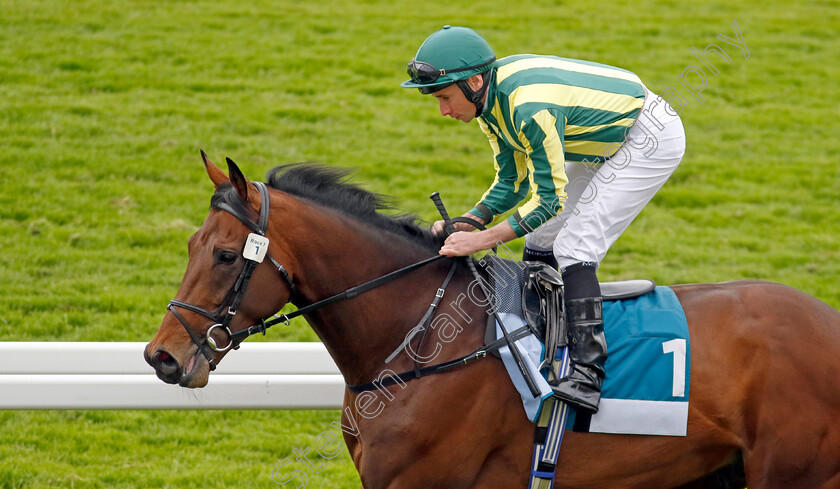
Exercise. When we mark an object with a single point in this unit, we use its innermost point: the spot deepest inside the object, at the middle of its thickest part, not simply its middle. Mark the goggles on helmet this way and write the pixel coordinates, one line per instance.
(426, 73)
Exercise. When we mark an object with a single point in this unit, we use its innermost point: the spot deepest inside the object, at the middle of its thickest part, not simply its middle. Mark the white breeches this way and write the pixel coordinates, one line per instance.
(602, 200)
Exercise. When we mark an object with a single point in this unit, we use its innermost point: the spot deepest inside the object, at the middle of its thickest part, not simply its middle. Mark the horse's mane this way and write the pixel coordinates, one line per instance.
(328, 186)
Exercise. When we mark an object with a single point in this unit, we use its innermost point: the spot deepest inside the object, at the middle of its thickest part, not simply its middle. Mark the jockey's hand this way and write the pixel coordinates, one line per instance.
(438, 226)
(462, 243)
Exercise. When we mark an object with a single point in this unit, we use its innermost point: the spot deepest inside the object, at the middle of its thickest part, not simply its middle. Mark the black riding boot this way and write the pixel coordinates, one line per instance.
(587, 344)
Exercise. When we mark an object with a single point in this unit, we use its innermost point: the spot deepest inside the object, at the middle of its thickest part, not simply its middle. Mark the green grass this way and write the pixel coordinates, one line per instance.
(105, 104)
(167, 449)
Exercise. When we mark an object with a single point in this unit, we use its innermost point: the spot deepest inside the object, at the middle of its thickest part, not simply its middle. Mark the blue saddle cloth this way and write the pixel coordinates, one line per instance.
(646, 386)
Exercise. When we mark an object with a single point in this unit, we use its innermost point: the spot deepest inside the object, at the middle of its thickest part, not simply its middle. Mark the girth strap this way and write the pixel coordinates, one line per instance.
(548, 437)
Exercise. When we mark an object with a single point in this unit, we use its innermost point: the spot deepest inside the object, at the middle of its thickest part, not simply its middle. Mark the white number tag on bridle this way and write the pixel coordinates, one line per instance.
(256, 247)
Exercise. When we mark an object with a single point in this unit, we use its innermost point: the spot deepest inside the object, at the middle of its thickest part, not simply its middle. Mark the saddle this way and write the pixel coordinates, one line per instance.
(534, 291)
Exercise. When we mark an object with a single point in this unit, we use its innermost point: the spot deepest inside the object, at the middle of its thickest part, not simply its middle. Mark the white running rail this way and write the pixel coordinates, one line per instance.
(100, 375)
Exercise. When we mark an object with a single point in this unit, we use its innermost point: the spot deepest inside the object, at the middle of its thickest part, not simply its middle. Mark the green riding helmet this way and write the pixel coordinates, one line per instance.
(448, 56)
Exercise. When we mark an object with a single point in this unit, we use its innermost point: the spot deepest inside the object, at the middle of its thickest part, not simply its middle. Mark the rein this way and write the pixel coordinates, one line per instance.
(347, 294)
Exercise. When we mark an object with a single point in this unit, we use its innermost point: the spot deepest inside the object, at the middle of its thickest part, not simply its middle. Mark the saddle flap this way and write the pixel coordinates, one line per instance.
(544, 273)
(542, 303)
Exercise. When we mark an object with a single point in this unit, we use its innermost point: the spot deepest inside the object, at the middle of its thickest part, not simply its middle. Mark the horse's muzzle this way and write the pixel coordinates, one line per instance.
(166, 366)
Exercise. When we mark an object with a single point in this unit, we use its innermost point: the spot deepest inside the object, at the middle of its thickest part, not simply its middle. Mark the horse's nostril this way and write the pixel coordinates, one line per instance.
(165, 363)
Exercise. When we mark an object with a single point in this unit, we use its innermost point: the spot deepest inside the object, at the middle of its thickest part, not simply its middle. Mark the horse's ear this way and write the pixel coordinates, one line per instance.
(240, 183)
(216, 174)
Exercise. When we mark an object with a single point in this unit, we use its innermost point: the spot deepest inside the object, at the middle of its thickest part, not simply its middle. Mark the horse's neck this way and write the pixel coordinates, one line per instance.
(361, 332)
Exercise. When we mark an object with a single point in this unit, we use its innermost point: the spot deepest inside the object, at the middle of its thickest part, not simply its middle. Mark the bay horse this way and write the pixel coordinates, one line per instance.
(764, 401)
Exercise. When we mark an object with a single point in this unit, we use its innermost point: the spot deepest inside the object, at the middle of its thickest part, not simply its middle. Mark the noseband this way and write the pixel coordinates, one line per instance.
(227, 310)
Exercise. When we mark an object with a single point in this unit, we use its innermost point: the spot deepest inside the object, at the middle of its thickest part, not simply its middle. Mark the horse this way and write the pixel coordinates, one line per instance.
(763, 403)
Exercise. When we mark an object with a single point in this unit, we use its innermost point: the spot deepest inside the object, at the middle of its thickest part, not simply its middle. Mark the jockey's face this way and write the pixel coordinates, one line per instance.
(454, 104)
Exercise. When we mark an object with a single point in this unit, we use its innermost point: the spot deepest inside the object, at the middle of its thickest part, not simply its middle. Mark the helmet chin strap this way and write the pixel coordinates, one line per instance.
(476, 97)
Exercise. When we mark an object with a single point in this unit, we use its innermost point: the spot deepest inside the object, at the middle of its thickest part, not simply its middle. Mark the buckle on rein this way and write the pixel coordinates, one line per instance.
(478, 356)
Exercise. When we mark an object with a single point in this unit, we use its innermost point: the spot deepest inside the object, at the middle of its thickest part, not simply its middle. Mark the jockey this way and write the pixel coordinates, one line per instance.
(589, 141)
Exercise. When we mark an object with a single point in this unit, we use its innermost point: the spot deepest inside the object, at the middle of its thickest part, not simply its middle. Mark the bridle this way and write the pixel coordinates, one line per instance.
(226, 311)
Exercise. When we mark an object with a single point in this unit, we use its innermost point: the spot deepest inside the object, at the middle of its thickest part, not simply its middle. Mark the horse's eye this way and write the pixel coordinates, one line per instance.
(226, 257)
